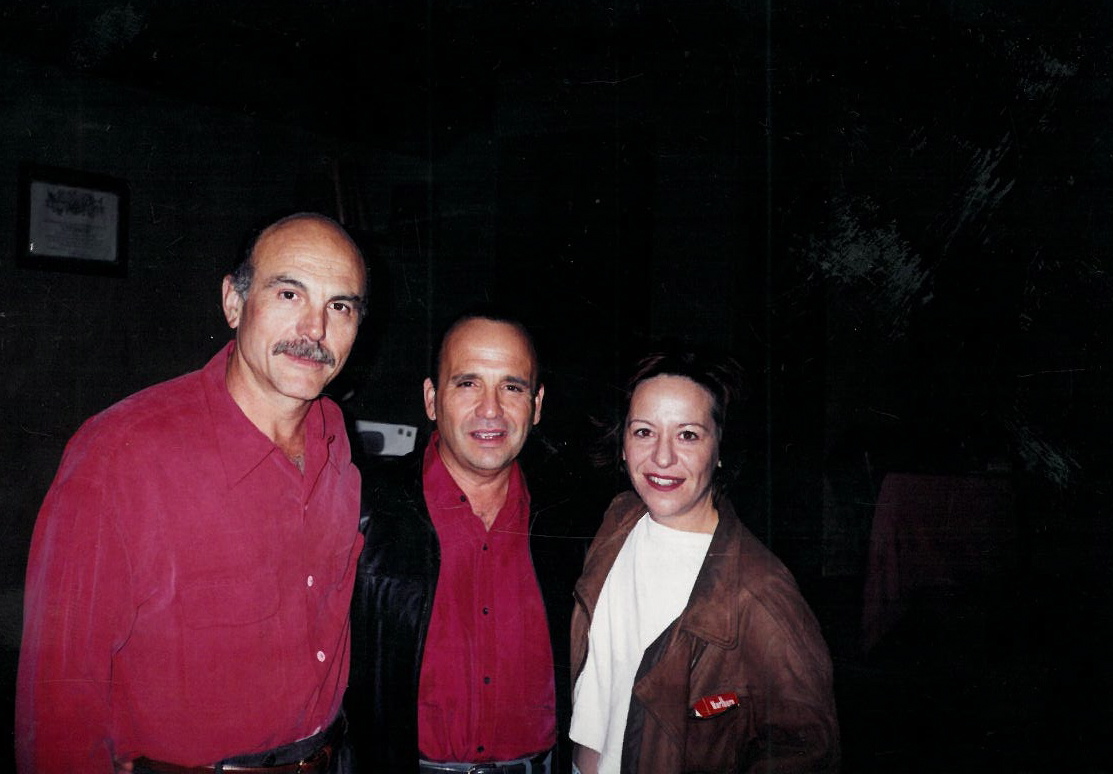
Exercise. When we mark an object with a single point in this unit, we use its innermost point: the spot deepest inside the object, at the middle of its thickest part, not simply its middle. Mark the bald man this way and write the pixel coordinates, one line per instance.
(188, 585)
(464, 585)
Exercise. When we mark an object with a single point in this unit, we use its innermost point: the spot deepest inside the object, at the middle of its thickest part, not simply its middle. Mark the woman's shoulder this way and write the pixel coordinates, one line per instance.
(620, 517)
(758, 566)
(624, 507)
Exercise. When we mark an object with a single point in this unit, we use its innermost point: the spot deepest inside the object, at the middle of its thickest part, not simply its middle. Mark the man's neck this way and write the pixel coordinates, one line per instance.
(282, 420)
(285, 429)
(486, 494)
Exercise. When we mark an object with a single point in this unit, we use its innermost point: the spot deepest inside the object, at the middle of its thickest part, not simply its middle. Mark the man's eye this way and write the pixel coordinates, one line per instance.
(287, 294)
(340, 306)
(514, 388)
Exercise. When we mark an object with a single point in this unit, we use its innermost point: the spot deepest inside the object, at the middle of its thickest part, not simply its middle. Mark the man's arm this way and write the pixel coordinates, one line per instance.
(76, 606)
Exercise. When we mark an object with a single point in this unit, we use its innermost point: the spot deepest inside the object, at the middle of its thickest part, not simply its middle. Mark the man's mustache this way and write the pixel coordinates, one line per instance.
(310, 350)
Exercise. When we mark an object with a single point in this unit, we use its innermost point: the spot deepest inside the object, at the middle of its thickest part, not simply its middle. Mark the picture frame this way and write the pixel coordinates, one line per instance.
(73, 221)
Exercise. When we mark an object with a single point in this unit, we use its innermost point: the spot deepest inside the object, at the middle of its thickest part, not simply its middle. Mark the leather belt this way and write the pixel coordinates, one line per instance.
(317, 763)
(538, 764)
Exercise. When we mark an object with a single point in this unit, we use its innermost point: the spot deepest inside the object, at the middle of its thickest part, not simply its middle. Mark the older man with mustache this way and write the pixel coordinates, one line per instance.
(191, 568)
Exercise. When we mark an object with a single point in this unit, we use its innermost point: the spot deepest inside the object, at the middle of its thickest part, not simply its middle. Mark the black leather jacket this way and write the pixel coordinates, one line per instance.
(393, 599)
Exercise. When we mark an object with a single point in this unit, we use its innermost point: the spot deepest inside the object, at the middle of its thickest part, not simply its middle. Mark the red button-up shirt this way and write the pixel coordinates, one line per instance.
(187, 588)
(487, 689)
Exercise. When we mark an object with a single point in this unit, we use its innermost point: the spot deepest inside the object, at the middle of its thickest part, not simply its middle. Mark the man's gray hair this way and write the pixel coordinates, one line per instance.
(244, 273)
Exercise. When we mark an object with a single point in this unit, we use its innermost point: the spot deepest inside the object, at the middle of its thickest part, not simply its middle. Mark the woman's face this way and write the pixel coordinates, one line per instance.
(671, 449)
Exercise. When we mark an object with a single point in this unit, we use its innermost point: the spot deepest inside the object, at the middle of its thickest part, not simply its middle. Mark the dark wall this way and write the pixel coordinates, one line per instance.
(943, 173)
(897, 216)
(73, 344)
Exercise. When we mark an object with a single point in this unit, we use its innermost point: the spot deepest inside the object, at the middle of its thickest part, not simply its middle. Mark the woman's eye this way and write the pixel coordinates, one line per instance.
(688, 435)
(641, 432)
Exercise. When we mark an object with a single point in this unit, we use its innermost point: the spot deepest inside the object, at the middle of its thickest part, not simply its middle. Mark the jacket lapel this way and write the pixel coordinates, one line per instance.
(710, 619)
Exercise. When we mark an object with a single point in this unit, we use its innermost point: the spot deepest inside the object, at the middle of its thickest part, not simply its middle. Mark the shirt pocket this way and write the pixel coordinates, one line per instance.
(229, 602)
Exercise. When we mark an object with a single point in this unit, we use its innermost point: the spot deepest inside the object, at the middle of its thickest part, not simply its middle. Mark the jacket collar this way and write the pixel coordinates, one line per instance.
(618, 521)
(711, 615)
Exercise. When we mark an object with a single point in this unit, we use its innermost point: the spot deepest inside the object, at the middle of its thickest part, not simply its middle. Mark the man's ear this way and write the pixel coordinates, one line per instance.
(430, 399)
(232, 302)
(540, 396)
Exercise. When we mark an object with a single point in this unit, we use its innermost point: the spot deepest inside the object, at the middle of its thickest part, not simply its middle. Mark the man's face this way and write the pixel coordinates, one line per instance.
(296, 327)
(483, 403)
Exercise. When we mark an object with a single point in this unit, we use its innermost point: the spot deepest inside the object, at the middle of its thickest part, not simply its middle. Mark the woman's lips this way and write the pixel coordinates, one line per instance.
(663, 483)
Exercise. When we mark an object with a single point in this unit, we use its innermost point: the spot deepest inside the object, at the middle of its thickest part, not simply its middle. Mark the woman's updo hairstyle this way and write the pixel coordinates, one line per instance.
(721, 376)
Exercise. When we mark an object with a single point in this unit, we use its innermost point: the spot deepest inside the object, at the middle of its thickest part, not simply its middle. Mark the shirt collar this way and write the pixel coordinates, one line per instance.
(442, 491)
(242, 445)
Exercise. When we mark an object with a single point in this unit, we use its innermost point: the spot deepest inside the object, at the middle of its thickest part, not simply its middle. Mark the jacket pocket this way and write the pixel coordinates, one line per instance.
(714, 732)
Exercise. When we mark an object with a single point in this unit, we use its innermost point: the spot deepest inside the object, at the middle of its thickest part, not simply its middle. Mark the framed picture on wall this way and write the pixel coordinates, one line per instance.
(72, 221)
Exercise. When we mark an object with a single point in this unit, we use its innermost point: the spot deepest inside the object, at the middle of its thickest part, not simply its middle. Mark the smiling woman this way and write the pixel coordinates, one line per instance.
(673, 572)
(671, 449)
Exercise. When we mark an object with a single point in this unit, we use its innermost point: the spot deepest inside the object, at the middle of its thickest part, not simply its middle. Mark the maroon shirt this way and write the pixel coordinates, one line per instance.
(487, 688)
(187, 588)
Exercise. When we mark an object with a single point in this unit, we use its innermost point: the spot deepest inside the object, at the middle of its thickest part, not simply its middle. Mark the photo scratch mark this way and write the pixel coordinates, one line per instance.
(872, 263)
(984, 190)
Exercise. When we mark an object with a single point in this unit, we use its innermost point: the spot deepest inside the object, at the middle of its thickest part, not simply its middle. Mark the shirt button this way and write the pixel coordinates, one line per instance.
(309, 581)
(463, 498)
(486, 681)
(481, 748)
(320, 655)
(486, 610)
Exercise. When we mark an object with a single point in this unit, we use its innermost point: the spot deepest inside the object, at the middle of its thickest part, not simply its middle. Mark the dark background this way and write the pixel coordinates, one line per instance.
(896, 215)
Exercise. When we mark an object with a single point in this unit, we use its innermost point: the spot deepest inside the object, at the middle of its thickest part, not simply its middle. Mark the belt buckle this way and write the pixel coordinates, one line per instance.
(484, 768)
(318, 761)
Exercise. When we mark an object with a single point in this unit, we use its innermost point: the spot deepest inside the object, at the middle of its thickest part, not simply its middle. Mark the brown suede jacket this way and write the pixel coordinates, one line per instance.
(746, 654)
